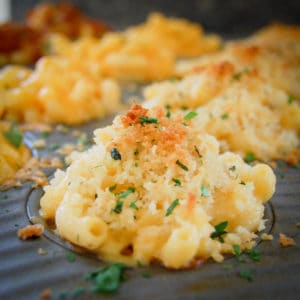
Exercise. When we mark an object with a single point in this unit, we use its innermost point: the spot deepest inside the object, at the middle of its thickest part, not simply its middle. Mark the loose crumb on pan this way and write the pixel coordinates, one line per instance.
(42, 251)
(286, 241)
(298, 224)
(30, 231)
(46, 294)
(266, 237)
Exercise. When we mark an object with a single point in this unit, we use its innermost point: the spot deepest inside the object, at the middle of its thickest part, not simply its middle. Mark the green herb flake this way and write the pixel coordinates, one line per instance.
(71, 257)
(246, 274)
(243, 182)
(227, 266)
(225, 116)
(83, 140)
(238, 75)
(146, 275)
(168, 114)
(3, 197)
(253, 254)
(171, 207)
(219, 231)
(118, 208)
(107, 279)
(204, 191)
(290, 99)
(133, 205)
(232, 168)
(112, 188)
(191, 115)
(78, 291)
(147, 120)
(124, 194)
(14, 136)
(115, 154)
(249, 158)
(63, 295)
(176, 181)
(297, 166)
(181, 165)
(237, 252)
(53, 147)
(45, 134)
(136, 152)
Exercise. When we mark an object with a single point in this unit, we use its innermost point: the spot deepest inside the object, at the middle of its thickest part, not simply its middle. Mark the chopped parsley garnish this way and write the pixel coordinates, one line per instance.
(147, 120)
(232, 168)
(146, 275)
(246, 274)
(253, 254)
(14, 136)
(190, 115)
(171, 207)
(291, 99)
(45, 134)
(238, 75)
(224, 116)
(133, 205)
(118, 208)
(249, 157)
(83, 140)
(197, 151)
(243, 182)
(71, 257)
(227, 266)
(168, 114)
(124, 194)
(204, 191)
(4, 196)
(53, 147)
(181, 165)
(107, 279)
(219, 231)
(115, 154)
(112, 188)
(177, 181)
(136, 152)
(237, 252)
(78, 291)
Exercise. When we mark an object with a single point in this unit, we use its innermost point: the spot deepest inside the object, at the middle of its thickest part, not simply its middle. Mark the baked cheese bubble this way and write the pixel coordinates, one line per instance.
(13, 152)
(155, 188)
(58, 90)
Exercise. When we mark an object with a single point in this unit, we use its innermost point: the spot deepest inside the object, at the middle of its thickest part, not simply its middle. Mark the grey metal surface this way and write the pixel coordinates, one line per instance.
(24, 273)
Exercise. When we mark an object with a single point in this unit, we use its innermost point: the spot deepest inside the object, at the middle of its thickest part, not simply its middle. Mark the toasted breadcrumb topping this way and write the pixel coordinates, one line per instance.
(286, 241)
(30, 231)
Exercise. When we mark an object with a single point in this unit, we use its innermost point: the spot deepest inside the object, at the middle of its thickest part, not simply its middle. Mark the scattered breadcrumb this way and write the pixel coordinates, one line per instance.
(46, 294)
(39, 144)
(62, 128)
(32, 172)
(76, 133)
(266, 237)
(36, 127)
(66, 149)
(42, 251)
(30, 231)
(273, 164)
(298, 224)
(286, 241)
